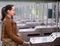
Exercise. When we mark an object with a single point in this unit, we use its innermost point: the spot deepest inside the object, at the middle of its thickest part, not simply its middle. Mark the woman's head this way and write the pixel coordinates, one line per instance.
(7, 10)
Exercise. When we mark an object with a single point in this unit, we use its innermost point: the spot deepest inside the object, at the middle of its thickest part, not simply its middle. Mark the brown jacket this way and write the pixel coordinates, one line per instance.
(9, 30)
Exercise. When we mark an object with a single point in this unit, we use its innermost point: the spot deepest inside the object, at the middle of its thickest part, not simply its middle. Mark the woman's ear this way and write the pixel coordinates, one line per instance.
(8, 11)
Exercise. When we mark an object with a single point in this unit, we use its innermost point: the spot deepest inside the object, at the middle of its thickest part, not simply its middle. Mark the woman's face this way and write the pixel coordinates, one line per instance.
(12, 11)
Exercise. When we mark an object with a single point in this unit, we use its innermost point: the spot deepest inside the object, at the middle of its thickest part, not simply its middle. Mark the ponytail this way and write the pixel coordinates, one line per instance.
(3, 13)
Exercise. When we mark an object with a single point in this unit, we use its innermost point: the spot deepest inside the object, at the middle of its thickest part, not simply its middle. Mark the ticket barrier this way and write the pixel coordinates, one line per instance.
(38, 31)
(29, 25)
(51, 40)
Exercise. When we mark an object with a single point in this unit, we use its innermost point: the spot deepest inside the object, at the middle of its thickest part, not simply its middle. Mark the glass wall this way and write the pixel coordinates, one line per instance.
(43, 12)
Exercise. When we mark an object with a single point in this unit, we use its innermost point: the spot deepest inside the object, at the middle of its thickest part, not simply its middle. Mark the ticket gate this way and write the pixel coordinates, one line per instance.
(51, 40)
(38, 31)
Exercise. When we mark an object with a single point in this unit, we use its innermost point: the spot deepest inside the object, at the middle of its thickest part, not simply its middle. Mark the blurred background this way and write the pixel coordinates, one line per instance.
(34, 12)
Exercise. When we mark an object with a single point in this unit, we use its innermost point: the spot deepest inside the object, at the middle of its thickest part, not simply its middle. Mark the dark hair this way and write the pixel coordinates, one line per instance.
(4, 11)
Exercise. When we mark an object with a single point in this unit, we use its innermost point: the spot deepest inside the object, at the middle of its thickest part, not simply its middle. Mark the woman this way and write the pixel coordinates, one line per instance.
(9, 28)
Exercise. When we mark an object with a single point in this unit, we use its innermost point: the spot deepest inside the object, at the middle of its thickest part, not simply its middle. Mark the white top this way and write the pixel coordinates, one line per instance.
(26, 30)
(21, 25)
(46, 26)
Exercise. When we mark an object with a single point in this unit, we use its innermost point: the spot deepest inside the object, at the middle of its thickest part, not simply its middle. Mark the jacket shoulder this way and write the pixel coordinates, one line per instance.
(7, 21)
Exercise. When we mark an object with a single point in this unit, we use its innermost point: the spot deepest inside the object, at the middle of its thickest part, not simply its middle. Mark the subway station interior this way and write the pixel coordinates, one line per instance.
(37, 22)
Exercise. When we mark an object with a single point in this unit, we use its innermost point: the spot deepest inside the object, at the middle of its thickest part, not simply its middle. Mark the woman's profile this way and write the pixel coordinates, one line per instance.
(9, 29)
